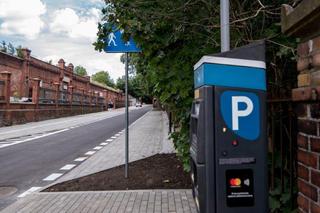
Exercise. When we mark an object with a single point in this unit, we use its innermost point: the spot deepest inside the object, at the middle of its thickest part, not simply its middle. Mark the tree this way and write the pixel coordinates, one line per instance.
(11, 49)
(80, 70)
(136, 87)
(120, 83)
(19, 51)
(4, 47)
(174, 35)
(103, 77)
(131, 68)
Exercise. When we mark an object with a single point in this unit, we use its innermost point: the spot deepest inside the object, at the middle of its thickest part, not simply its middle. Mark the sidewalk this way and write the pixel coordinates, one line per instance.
(46, 126)
(147, 137)
(137, 201)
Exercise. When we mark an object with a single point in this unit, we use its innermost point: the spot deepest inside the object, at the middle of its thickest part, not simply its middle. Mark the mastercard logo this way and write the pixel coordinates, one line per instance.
(235, 182)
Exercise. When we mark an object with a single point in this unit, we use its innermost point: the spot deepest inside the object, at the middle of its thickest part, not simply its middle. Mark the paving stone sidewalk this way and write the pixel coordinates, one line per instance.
(148, 136)
(137, 201)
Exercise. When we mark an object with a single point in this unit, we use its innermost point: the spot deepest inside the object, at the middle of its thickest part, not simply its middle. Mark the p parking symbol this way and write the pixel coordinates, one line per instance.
(240, 112)
(237, 112)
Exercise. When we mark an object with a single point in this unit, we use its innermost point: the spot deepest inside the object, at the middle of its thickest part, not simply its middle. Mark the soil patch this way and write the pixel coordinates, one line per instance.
(161, 171)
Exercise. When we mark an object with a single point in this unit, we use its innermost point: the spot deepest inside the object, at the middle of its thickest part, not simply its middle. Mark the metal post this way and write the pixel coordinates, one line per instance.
(224, 25)
(126, 173)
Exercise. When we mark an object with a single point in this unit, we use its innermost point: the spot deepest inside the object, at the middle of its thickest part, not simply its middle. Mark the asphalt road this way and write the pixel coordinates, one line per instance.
(26, 164)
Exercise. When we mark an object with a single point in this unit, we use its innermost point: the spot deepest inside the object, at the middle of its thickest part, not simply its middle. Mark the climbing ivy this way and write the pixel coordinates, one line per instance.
(174, 35)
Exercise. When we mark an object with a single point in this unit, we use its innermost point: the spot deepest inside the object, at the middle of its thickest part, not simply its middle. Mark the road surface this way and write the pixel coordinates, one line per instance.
(32, 155)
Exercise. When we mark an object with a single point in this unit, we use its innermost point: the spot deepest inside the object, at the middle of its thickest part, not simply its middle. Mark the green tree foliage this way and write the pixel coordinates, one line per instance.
(174, 35)
(135, 87)
(103, 77)
(80, 70)
(7, 48)
(11, 49)
(19, 51)
(3, 47)
(120, 83)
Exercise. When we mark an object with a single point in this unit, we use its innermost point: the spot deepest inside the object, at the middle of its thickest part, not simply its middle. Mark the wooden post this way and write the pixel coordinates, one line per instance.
(70, 93)
(82, 99)
(6, 76)
(57, 84)
(35, 96)
(35, 90)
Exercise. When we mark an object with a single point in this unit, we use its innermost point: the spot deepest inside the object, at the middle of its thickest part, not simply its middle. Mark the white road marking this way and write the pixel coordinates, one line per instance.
(117, 135)
(68, 166)
(97, 148)
(29, 191)
(103, 144)
(80, 159)
(90, 153)
(94, 119)
(109, 140)
(67, 120)
(113, 137)
(52, 177)
(30, 139)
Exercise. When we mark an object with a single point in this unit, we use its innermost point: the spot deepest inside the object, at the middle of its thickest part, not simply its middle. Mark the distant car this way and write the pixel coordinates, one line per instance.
(138, 104)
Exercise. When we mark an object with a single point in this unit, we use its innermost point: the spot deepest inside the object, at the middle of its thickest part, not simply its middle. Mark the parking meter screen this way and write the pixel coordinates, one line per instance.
(239, 188)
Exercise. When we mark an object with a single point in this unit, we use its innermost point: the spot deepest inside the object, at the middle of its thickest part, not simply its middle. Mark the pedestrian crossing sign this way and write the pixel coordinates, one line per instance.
(114, 43)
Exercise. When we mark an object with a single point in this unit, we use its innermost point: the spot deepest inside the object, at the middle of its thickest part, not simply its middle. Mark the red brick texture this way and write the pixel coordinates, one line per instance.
(315, 178)
(308, 190)
(315, 208)
(29, 76)
(303, 203)
(303, 172)
(24, 69)
(308, 138)
(302, 141)
(315, 144)
(308, 158)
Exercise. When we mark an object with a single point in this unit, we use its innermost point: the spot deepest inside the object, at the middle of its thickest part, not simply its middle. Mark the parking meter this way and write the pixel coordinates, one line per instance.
(228, 145)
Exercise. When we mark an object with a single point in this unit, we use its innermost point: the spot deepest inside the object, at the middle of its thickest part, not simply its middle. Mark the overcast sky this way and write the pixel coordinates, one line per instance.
(55, 29)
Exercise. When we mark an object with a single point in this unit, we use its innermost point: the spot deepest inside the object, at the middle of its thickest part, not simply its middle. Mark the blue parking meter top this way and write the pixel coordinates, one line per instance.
(242, 67)
(230, 72)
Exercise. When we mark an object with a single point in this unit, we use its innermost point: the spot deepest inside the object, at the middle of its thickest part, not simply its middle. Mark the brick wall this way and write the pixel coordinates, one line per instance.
(20, 113)
(307, 96)
(24, 69)
(13, 65)
(56, 91)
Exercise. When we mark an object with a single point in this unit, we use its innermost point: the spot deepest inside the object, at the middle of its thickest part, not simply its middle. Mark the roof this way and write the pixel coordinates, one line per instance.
(104, 86)
(7, 54)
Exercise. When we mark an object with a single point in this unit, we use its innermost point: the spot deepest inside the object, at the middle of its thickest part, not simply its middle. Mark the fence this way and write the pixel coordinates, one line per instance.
(282, 155)
(47, 96)
(76, 98)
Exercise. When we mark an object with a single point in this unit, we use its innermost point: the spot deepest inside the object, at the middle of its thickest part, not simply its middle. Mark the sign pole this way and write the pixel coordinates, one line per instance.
(224, 25)
(115, 44)
(126, 173)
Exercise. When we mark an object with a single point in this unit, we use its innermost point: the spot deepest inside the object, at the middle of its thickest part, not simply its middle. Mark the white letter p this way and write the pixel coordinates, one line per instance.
(236, 113)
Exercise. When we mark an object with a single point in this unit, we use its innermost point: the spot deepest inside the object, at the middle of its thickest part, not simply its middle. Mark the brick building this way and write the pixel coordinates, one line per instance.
(303, 22)
(29, 86)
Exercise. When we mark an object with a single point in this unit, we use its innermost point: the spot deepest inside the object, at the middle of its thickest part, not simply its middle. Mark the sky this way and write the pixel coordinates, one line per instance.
(54, 29)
